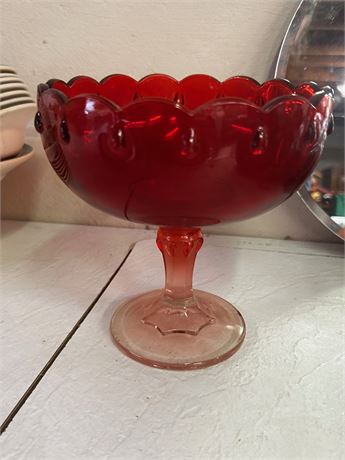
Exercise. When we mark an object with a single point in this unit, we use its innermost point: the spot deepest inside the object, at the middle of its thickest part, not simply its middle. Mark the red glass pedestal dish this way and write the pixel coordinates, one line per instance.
(181, 155)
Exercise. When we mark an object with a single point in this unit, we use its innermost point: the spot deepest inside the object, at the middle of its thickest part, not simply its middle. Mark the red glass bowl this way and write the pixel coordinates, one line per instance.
(182, 154)
(187, 153)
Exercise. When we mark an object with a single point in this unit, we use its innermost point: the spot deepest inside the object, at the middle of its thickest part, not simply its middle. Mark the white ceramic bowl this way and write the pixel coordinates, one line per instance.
(10, 79)
(6, 68)
(23, 155)
(12, 87)
(15, 101)
(13, 121)
(7, 75)
(14, 94)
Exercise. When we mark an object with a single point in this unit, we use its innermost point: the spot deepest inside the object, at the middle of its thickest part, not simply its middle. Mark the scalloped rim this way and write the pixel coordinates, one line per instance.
(103, 80)
(223, 99)
(267, 108)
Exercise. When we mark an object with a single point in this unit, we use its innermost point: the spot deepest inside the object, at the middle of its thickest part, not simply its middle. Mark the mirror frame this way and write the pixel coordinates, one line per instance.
(280, 69)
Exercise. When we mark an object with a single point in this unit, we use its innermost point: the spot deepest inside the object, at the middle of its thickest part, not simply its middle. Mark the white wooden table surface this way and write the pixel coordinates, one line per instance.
(68, 393)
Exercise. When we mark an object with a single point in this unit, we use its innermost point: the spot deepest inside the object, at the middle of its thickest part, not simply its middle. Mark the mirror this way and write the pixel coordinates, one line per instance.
(313, 50)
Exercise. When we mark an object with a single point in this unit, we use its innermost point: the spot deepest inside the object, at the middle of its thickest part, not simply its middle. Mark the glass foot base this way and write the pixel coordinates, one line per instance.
(148, 330)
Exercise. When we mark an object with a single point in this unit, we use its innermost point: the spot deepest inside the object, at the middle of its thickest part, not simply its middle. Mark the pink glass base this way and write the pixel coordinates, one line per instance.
(152, 331)
(178, 327)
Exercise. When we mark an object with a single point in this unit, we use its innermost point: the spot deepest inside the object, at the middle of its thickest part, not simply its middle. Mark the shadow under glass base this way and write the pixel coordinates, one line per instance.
(153, 331)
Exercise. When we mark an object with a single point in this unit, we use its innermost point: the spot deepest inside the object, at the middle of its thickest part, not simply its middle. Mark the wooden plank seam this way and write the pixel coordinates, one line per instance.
(60, 348)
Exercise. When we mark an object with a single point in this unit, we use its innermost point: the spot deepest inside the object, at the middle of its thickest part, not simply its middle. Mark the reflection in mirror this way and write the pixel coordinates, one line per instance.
(313, 50)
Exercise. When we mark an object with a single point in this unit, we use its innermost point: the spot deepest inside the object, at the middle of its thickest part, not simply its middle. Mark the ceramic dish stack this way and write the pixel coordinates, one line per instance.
(17, 108)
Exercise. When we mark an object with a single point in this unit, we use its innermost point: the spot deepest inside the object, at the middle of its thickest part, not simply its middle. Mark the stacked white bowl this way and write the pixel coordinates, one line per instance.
(17, 108)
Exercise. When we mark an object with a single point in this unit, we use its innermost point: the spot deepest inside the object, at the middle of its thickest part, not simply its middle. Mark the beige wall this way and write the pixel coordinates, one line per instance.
(49, 38)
